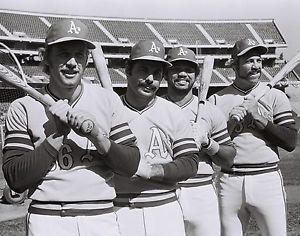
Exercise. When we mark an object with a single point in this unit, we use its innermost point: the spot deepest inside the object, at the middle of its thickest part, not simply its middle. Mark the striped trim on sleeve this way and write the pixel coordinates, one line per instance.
(284, 118)
(184, 146)
(18, 140)
(122, 134)
(221, 136)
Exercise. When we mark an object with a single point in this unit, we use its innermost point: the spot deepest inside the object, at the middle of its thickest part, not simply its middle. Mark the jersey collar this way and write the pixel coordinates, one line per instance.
(126, 103)
(245, 91)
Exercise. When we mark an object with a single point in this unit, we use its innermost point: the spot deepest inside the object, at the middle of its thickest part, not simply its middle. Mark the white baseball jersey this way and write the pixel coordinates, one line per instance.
(251, 145)
(217, 127)
(79, 173)
(163, 134)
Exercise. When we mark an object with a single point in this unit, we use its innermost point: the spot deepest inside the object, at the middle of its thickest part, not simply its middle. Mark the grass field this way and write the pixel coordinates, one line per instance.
(290, 167)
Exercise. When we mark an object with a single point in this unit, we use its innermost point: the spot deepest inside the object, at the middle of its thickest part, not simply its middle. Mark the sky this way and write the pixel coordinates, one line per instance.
(284, 12)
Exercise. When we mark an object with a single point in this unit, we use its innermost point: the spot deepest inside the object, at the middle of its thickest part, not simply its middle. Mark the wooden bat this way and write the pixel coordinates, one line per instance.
(101, 67)
(208, 65)
(287, 68)
(11, 78)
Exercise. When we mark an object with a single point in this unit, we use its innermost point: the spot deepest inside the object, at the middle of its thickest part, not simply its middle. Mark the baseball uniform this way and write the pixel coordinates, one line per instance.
(197, 195)
(254, 184)
(72, 189)
(151, 206)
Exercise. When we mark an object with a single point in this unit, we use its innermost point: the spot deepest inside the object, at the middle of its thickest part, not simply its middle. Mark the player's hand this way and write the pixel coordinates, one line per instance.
(144, 169)
(200, 133)
(252, 108)
(59, 111)
(238, 112)
(251, 105)
(83, 123)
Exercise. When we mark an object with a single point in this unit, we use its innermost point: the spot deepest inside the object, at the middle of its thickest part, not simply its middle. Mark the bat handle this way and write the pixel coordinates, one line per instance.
(87, 126)
(232, 123)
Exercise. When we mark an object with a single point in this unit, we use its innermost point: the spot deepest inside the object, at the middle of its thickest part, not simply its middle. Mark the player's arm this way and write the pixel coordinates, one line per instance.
(24, 169)
(175, 171)
(223, 154)
(284, 136)
(122, 157)
(119, 150)
(24, 165)
(184, 165)
(220, 147)
(282, 130)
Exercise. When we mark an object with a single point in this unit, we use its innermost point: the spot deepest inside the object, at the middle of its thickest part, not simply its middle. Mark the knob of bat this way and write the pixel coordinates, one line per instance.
(87, 126)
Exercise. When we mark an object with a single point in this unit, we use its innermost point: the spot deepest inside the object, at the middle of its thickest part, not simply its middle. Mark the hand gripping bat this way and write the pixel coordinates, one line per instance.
(11, 78)
(287, 68)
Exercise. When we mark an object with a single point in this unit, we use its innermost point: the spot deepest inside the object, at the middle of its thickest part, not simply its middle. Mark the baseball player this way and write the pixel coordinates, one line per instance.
(147, 204)
(253, 186)
(197, 195)
(68, 173)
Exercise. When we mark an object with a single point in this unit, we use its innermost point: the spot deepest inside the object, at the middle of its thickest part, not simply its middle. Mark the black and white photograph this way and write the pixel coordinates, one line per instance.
(149, 118)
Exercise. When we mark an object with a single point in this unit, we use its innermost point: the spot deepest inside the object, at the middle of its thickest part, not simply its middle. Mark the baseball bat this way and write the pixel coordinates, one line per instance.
(101, 67)
(11, 78)
(207, 69)
(287, 68)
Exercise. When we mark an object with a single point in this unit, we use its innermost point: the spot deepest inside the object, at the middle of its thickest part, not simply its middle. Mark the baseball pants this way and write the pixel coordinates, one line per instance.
(200, 210)
(160, 220)
(261, 196)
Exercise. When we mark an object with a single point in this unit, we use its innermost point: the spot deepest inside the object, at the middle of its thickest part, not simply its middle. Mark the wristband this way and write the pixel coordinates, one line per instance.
(212, 148)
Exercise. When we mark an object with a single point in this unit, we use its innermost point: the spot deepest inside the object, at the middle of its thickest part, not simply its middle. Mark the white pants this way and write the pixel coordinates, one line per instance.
(261, 196)
(200, 209)
(99, 225)
(163, 220)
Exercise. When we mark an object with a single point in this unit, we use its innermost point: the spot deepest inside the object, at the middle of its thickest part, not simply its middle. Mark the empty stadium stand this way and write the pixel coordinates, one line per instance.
(24, 32)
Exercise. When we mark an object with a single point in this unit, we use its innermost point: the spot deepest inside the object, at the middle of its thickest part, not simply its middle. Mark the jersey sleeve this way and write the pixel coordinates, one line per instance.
(120, 132)
(185, 152)
(218, 125)
(23, 164)
(123, 156)
(282, 131)
(184, 142)
(282, 110)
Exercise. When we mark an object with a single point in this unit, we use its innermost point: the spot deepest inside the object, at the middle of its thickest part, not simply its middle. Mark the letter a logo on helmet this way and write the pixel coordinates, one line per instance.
(73, 28)
(182, 52)
(154, 48)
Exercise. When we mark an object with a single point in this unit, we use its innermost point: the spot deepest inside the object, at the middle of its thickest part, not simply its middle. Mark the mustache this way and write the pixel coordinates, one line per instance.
(255, 71)
(147, 84)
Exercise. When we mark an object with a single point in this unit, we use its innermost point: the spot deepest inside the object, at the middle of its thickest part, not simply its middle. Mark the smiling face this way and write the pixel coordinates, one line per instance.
(248, 69)
(144, 78)
(67, 62)
(181, 76)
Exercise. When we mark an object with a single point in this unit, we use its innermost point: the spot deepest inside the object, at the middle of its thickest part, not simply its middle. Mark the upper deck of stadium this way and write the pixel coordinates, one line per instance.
(24, 32)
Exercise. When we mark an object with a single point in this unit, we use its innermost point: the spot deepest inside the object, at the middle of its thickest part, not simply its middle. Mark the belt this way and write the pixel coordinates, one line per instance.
(64, 209)
(196, 184)
(144, 204)
(256, 172)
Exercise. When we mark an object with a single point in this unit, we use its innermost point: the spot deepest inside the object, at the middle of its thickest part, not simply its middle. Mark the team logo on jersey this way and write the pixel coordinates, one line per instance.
(154, 48)
(158, 145)
(182, 52)
(73, 28)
